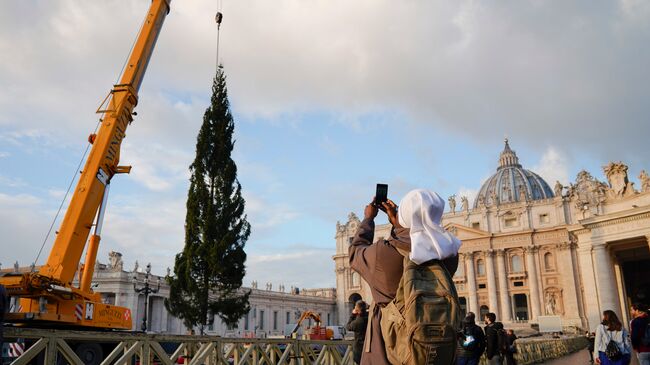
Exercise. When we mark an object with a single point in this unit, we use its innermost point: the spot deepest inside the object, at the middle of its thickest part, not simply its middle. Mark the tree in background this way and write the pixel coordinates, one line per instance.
(208, 272)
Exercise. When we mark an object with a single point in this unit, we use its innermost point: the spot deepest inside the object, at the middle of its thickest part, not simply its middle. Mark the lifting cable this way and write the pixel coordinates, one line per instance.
(74, 176)
(218, 18)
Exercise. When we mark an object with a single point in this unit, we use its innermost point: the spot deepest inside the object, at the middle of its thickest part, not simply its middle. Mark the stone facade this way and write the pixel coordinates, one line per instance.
(529, 251)
(271, 309)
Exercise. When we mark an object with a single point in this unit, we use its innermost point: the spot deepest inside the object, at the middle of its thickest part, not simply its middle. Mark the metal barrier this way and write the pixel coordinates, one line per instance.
(46, 346)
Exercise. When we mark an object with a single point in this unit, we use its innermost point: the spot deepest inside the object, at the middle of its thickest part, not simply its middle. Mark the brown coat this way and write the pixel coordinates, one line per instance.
(380, 265)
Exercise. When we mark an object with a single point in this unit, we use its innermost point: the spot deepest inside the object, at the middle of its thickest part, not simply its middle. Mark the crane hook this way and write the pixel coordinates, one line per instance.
(218, 19)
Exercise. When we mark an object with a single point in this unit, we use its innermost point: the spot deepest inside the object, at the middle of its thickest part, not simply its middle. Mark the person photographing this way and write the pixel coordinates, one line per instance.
(357, 323)
(417, 243)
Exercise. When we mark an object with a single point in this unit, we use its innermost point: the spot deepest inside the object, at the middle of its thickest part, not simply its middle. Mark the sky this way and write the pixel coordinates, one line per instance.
(329, 98)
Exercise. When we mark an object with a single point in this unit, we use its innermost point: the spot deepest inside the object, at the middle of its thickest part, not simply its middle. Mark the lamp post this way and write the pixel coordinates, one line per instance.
(146, 290)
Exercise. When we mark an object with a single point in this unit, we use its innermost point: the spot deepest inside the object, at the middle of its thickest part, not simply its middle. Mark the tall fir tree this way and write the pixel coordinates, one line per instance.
(208, 273)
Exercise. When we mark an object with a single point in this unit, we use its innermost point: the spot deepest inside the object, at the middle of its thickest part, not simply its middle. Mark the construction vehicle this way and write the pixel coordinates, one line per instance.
(47, 296)
(316, 332)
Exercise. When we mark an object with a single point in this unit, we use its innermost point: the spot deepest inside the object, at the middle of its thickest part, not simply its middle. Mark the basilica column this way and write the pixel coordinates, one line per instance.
(568, 279)
(605, 281)
(471, 283)
(588, 277)
(506, 309)
(532, 282)
(491, 281)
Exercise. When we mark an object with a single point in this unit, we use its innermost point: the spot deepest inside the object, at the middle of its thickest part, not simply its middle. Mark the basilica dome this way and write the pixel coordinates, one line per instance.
(512, 183)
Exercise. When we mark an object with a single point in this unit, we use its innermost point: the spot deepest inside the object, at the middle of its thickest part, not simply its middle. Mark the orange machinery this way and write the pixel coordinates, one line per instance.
(316, 332)
(47, 296)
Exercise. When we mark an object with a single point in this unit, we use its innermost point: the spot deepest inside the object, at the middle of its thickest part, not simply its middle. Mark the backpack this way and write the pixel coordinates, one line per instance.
(502, 341)
(612, 351)
(419, 325)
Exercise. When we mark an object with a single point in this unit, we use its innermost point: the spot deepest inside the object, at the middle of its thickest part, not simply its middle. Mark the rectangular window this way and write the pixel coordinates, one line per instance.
(275, 320)
(288, 317)
(481, 286)
(261, 320)
(246, 321)
(476, 225)
(350, 240)
(544, 218)
(518, 283)
(510, 222)
(328, 319)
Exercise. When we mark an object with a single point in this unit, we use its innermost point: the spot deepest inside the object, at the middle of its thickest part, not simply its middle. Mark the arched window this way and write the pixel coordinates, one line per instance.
(549, 263)
(355, 279)
(482, 312)
(517, 264)
(480, 268)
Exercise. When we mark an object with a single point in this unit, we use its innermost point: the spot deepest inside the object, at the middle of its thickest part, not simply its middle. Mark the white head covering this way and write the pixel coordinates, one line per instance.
(421, 211)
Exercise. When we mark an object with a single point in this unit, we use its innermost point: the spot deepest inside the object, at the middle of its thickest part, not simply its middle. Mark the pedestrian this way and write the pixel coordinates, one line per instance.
(640, 332)
(612, 344)
(380, 263)
(357, 323)
(493, 337)
(512, 347)
(471, 342)
(591, 338)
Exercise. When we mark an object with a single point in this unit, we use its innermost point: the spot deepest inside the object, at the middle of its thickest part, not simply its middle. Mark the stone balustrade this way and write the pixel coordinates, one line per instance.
(538, 350)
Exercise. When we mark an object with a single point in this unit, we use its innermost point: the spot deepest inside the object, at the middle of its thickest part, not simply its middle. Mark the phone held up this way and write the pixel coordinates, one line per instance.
(381, 195)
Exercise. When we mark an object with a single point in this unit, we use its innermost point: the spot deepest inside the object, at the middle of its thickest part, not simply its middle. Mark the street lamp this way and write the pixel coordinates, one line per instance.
(146, 290)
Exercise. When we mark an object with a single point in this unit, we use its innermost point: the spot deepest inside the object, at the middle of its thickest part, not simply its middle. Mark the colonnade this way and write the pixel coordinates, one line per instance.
(499, 293)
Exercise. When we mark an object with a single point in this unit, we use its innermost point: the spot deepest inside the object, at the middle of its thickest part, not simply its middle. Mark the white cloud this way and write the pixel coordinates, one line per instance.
(539, 71)
(157, 167)
(264, 215)
(300, 266)
(553, 166)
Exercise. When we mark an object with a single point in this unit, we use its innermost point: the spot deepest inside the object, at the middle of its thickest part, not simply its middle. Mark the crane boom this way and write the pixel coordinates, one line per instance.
(104, 156)
(48, 295)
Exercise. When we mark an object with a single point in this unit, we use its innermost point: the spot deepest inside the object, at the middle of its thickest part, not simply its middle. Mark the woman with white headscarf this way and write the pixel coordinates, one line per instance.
(416, 232)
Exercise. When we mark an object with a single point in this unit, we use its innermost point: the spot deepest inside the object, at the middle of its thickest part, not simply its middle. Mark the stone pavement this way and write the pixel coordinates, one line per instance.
(580, 358)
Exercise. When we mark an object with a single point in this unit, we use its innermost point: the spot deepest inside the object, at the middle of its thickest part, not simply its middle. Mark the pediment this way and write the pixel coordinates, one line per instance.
(466, 233)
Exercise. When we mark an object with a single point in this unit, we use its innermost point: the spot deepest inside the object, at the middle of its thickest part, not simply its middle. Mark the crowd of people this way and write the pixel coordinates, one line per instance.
(611, 344)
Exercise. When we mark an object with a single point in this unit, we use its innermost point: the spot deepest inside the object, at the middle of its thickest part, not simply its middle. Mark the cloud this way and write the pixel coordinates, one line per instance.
(538, 71)
(23, 224)
(300, 266)
(264, 215)
(157, 167)
(553, 166)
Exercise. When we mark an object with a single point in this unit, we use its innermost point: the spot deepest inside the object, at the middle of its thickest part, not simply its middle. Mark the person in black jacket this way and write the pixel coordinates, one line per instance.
(512, 348)
(357, 323)
(471, 342)
(492, 333)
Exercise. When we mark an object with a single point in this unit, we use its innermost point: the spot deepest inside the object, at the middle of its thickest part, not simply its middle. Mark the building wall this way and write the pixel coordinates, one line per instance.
(563, 254)
(116, 286)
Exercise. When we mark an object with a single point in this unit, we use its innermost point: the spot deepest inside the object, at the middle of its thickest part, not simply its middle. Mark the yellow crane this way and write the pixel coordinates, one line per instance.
(47, 296)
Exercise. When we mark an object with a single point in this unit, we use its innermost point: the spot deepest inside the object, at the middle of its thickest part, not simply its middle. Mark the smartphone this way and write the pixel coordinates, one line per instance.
(382, 194)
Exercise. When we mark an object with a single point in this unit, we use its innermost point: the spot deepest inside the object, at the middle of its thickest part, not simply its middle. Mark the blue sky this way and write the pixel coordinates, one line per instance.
(329, 98)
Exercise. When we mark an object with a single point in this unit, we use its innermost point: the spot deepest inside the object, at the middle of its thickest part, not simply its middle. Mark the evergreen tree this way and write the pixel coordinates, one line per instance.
(208, 272)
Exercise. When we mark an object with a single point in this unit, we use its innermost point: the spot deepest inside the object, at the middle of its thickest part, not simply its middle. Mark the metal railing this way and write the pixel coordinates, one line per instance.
(121, 348)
